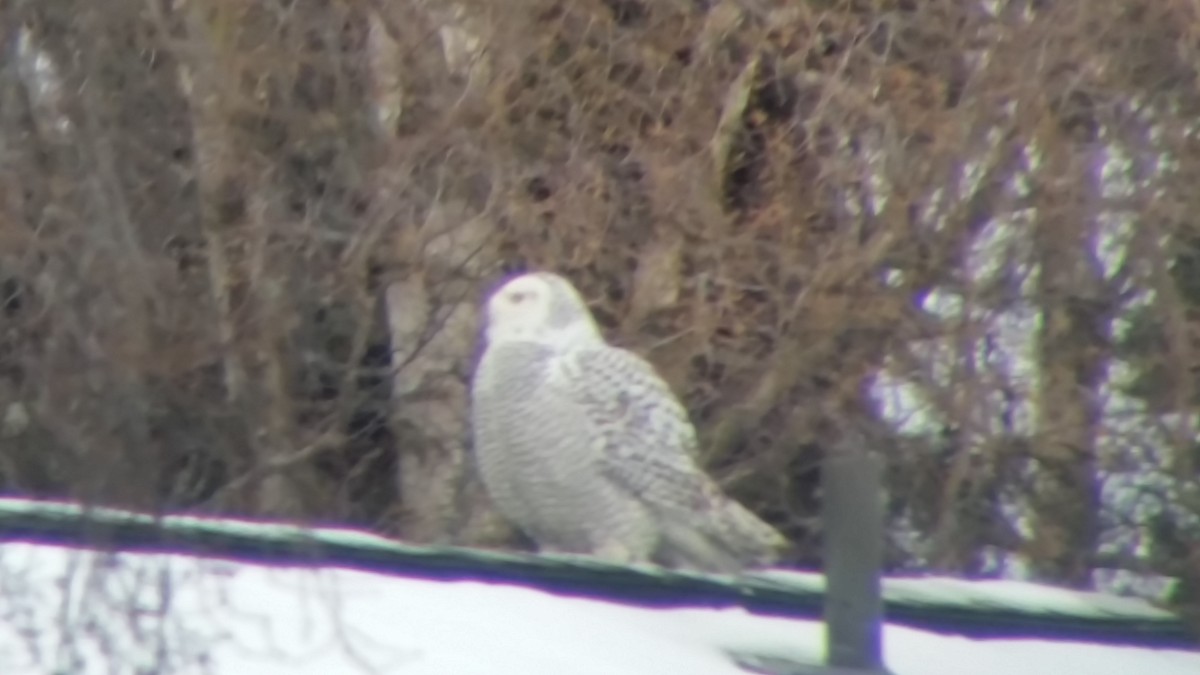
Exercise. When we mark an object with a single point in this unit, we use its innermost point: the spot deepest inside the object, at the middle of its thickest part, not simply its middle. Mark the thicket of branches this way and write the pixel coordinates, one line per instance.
(242, 244)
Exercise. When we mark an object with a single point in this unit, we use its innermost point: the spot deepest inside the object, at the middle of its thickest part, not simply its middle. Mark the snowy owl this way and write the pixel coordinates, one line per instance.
(584, 447)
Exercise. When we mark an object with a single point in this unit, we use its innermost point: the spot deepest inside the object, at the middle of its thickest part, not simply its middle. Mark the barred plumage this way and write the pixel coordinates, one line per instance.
(585, 448)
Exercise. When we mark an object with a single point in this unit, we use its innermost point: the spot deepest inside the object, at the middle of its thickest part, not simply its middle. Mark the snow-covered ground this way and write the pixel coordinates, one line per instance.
(81, 612)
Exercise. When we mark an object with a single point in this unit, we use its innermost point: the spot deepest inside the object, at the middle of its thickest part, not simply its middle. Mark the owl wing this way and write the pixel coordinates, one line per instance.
(646, 442)
(646, 445)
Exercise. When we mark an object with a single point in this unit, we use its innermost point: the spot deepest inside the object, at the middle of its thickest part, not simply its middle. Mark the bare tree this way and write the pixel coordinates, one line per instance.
(241, 247)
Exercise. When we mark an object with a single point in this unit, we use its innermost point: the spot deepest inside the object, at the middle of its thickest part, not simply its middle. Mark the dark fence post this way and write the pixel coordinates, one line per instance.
(852, 515)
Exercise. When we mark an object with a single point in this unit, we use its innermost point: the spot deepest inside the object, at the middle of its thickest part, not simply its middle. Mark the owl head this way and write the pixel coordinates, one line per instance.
(539, 307)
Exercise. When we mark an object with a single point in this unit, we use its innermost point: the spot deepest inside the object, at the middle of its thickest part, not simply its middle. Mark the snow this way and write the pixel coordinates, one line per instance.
(1010, 595)
(257, 619)
(77, 611)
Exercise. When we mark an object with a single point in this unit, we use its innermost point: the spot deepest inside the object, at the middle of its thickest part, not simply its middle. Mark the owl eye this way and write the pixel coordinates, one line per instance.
(517, 297)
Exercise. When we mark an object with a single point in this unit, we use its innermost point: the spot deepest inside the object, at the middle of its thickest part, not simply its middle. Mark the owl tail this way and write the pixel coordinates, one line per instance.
(728, 540)
(758, 543)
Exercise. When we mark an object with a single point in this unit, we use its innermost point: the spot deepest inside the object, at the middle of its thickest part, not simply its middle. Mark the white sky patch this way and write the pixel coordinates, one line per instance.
(993, 249)
(1033, 162)
(1115, 229)
(998, 344)
(1137, 487)
(1114, 234)
(971, 177)
(933, 210)
(1135, 584)
(1006, 564)
(903, 404)
(893, 277)
(864, 158)
(991, 340)
(1116, 173)
(1123, 322)
(1012, 367)
(43, 84)
(992, 7)
(1137, 484)
(943, 303)
(875, 182)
